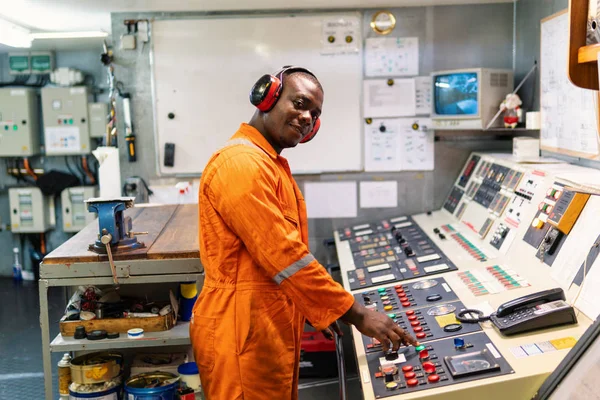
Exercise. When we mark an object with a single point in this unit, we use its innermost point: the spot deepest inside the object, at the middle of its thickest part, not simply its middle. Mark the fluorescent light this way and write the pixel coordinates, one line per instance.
(68, 35)
(14, 35)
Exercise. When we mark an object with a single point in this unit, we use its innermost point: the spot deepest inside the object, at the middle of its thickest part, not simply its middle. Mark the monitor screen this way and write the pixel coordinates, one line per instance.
(456, 94)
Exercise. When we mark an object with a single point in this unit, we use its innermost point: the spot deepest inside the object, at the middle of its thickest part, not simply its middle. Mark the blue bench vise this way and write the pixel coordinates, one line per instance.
(115, 232)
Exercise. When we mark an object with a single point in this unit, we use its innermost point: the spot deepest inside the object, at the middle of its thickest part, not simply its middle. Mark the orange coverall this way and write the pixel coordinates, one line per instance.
(261, 280)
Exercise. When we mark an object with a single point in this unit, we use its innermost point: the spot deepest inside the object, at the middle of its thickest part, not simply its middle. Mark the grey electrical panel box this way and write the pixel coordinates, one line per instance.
(19, 126)
(66, 125)
(98, 113)
(30, 210)
(75, 215)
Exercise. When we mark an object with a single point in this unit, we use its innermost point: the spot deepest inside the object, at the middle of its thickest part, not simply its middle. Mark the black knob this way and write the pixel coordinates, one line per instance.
(436, 230)
(442, 236)
(382, 128)
(24, 122)
(391, 356)
(67, 210)
(83, 120)
(171, 115)
(398, 235)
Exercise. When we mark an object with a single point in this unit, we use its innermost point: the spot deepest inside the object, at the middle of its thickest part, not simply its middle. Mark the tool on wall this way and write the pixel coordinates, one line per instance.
(111, 128)
(129, 135)
(115, 232)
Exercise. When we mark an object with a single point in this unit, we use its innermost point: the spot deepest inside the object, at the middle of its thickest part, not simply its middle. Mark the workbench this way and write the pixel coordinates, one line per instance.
(170, 254)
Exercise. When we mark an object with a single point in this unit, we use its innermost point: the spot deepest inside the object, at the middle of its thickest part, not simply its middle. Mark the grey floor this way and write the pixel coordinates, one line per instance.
(21, 372)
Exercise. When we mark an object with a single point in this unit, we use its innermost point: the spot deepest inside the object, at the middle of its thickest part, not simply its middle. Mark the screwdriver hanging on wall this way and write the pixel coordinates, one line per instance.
(129, 135)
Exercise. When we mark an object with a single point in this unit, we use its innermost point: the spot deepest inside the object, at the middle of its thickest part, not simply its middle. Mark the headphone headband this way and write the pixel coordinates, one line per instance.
(287, 68)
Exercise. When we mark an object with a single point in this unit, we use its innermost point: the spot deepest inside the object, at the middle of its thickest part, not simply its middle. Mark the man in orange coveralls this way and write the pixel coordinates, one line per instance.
(261, 279)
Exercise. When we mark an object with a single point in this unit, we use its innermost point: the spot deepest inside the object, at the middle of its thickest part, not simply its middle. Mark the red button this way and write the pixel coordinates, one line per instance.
(410, 375)
(407, 368)
(423, 353)
(406, 304)
(412, 382)
(398, 286)
(403, 298)
(421, 335)
(410, 312)
(415, 323)
(433, 378)
(428, 367)
(418, 328)
(412, 317)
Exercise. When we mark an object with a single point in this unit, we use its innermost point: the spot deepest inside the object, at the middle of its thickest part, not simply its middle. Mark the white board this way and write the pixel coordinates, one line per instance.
(568, 113)
(204, 69)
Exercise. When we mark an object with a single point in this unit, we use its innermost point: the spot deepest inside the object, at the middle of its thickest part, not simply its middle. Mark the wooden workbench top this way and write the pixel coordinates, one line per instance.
(172, 233)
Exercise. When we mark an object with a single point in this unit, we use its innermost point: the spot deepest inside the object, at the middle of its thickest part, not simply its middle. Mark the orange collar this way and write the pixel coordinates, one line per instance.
(249, 132)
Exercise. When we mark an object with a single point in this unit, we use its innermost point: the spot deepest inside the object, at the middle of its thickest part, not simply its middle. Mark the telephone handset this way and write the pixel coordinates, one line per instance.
(535, 311)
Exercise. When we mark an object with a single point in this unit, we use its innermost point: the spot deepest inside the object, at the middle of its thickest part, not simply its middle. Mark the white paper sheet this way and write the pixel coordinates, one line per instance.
(423, 95)
(379, 194)
(393, 145)
(573, 252)
(418, 145)
(63, 139)
(331, 199)
(382, 100)
(392, 56)
(588, 302)
(340, 36)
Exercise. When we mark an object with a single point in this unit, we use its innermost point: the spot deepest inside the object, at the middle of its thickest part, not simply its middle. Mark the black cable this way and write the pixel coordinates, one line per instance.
(80, 170)
(461, 316)
(69, 167)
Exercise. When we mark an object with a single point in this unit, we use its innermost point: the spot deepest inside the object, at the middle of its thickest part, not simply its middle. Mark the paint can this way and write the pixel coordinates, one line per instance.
(152, 386)
(111, 390)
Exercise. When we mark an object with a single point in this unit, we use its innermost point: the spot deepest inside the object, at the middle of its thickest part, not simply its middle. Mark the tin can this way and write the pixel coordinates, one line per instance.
(152, 386)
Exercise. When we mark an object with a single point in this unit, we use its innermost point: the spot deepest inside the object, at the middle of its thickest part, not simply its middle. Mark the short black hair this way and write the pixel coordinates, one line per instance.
(306, 75)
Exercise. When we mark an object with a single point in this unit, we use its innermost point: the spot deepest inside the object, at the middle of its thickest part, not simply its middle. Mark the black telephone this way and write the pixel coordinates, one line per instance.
(535, 311)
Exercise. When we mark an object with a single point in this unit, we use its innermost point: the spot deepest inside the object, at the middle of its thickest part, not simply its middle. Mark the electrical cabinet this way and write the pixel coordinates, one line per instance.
(19, 128)
(30, 210)
(75, 215)
(98, 113)
(66, 125)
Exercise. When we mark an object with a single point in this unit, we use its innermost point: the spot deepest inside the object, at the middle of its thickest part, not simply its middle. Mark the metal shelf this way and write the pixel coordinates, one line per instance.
(178, 335)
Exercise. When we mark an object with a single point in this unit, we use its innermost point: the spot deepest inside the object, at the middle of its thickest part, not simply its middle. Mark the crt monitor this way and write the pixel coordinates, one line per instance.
(469, 98)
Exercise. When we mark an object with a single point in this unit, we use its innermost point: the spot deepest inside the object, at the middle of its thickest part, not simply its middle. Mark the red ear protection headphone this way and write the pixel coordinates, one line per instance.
(266, 91)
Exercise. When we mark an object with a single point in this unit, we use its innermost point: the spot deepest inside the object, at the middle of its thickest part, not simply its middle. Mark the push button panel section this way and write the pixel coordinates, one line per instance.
(405, 252)
(441, 363)
(370, 228)
(426, 324)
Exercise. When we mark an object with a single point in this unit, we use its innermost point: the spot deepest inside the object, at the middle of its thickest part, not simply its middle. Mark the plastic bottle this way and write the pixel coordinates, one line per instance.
(17, 268)
(64, 376)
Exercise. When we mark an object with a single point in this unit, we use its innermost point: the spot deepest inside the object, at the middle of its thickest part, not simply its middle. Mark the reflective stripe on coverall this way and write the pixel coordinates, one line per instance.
(261, 280)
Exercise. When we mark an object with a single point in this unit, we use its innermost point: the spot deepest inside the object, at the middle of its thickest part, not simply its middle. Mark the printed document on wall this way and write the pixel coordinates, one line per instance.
(379, 194)
(399, 144)
(423, 95)
(331, 199)
(384, 100)
(392, 56)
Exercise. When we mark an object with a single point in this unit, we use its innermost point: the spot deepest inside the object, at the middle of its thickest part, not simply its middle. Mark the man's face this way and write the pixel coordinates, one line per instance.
(295, 113)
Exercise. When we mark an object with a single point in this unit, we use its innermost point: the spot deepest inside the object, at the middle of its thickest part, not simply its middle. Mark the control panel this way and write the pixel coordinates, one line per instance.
(504, 230)
(467, 171)
(430, 323)
(19, 136)
(404, 252)
(440, 363)
(556, 215)
(30, 210)
(367, 229)
(453, 199)
(75, 215)
(66, 125)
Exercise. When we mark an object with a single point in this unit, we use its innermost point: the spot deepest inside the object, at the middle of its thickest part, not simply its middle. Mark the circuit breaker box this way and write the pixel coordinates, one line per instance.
(19, 125)
(66, 125)
(98, 113)
(75, 215)
(30, 210)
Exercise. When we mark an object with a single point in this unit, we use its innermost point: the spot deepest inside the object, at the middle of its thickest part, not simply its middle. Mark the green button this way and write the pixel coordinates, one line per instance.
(392, 315)
(71, 121)
(15, 127)
(64, 121)
(5, 127)
(382, 290)
(420, 347)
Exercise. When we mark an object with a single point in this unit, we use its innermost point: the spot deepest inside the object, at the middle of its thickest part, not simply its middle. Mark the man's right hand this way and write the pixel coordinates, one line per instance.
(378, 326)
